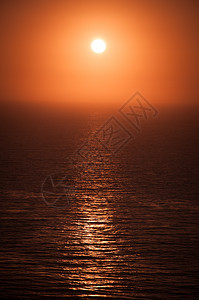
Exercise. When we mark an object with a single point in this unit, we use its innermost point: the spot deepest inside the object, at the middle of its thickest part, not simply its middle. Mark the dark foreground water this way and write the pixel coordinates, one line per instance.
(124, 229)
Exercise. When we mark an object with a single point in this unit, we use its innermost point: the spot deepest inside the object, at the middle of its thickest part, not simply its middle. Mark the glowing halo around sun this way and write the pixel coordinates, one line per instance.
(98, 46)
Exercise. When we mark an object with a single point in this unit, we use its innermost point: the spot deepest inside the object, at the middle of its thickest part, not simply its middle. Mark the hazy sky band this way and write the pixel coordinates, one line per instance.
(151, 47)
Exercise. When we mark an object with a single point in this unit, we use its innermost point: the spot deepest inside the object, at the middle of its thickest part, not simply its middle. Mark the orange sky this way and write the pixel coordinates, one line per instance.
(151, 47)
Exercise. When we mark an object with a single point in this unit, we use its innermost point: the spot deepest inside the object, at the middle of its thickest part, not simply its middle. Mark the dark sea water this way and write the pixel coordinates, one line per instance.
(125, 227)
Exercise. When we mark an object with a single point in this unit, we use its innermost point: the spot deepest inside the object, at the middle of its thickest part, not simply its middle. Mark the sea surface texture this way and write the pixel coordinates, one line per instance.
(95, 224)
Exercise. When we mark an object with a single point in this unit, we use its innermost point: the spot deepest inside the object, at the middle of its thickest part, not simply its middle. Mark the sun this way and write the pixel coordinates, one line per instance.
(98, 46)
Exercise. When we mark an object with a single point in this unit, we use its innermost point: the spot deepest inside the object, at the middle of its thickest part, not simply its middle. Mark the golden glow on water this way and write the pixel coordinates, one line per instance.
(94, 242)
(95, 251)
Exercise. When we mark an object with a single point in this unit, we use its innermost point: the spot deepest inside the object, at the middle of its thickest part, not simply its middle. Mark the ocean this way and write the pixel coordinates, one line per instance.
(99, 223)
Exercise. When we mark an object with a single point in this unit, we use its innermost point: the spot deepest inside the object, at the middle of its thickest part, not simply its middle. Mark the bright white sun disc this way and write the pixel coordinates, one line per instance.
(98, 46)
